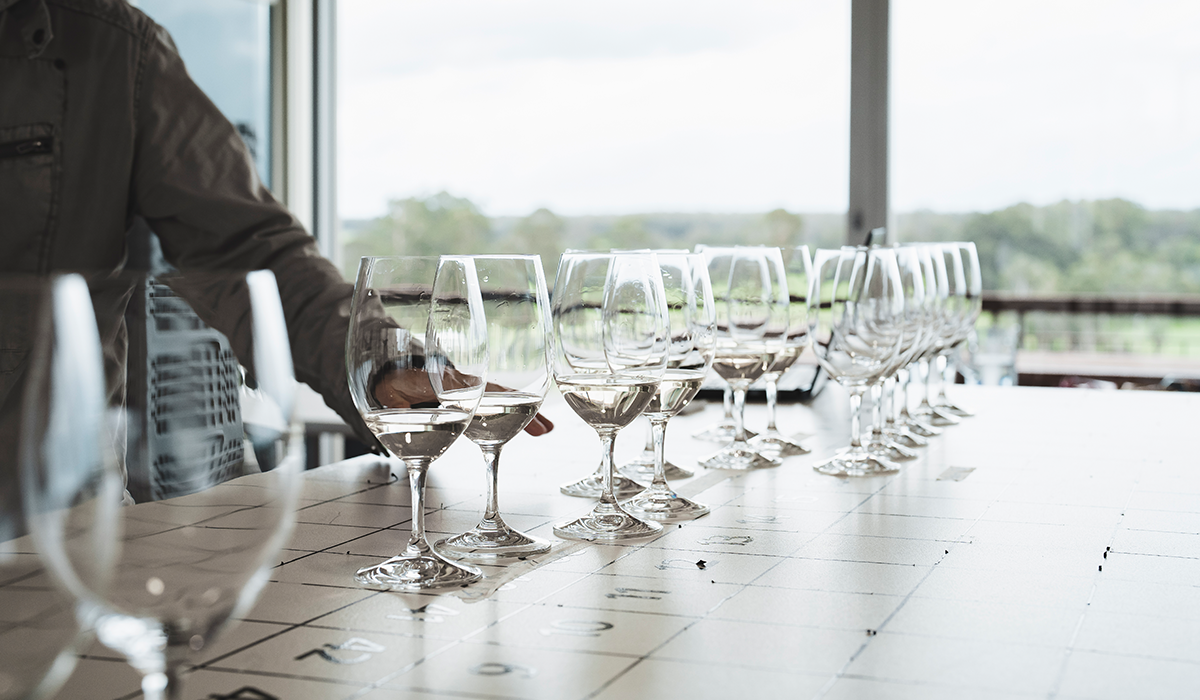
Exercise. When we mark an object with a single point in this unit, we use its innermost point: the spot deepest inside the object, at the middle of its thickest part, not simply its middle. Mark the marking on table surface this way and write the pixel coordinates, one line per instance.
(686, 564)
(577, 628)
(762, 520)
(367, 647)
(492, 668)
(637, 593)
(739, 540)
(426, 613)
(246, 692)
(955, 474)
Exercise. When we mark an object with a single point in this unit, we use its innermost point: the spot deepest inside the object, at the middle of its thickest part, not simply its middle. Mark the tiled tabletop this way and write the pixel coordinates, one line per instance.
(1047, 548)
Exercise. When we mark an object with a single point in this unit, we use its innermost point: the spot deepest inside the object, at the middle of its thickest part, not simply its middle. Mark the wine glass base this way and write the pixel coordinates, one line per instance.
(904, 436)
(613, 525)
(857, 465)
(645, 471)
(937, 417)
(414, 573)
(739, 458)
(486, 545)
(721, 432)
(593, 486)
(664, 506)
(954, 410)
(920, 427)
(892, 451)
(778, 445)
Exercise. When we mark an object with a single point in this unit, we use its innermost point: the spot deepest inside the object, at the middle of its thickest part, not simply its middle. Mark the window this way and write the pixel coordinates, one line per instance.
(471, 125)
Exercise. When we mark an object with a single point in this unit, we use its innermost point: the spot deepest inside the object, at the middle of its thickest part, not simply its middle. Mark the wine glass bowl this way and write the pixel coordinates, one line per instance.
(416, 358)
(610, 350)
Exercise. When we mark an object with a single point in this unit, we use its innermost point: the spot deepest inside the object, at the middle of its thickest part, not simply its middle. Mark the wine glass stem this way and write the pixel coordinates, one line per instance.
(772, 399)
(945, 371)
(856, 394)
(163, 685)
(739, 413)
(900, 395)
(877, 409)
(658, 433)
(727, 399)
(926, 378)
(491, 461)
(417, 469)
(607, 441)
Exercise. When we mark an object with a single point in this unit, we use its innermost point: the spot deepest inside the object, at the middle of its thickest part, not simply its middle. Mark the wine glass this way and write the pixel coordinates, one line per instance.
(518, 331)
(210, 453)
(58, 474)
(693, 326)
(798, 267)
(935, 296)
(944, 327)
(964, 258)
(417, 359)
(887, 439)
(856, 296)
(610, 350)
(749, 287)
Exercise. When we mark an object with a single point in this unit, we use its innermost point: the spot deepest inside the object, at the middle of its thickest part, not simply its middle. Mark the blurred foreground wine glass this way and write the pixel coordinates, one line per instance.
(58, 476)
(212, 445)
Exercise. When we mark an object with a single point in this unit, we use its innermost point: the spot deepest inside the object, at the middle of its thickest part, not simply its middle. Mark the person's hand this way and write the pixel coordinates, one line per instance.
(410, 388)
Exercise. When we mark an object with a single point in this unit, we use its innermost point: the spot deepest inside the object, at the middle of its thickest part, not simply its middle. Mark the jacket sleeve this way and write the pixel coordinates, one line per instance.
(195, 184)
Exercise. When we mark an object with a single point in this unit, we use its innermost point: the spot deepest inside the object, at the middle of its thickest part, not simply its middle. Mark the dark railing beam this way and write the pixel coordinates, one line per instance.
(1145, 304)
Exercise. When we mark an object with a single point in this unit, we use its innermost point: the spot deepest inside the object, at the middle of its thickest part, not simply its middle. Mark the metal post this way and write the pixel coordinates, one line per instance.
(869, 53)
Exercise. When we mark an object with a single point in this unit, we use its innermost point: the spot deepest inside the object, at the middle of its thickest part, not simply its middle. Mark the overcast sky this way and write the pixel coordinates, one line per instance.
(667, 105)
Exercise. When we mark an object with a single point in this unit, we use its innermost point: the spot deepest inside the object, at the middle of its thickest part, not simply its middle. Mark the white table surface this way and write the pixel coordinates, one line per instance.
(1066, 564)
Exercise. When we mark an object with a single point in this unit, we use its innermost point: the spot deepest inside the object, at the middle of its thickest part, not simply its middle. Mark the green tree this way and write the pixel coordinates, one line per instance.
(437, 225)
(784, 229)
(540, 233)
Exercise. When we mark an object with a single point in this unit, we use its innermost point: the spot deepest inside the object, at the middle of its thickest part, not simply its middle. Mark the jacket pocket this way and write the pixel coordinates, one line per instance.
(28, 188)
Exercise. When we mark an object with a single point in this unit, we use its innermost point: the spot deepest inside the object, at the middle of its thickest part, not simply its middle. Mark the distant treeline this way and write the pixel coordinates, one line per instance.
(1110, 245)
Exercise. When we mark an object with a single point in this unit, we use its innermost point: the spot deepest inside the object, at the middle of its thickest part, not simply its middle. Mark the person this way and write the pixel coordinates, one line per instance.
(101, 128)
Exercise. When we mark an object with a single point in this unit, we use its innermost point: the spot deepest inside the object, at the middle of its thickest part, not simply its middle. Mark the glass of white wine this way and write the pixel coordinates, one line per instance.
(417, 362)
(693, 327)
(750, 289)
(611, 336)
(518, 329)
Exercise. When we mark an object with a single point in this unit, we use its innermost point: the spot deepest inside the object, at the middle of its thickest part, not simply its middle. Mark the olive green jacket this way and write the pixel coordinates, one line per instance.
(100, 124)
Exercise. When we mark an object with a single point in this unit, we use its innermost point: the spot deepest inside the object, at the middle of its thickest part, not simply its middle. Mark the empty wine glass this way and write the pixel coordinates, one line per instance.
(798, 267)
(209, 448)
(749, 286)
(888, 440)
(610, 350)
(935, 297)
(518, 332)
(856, 296)
(417, 360)
(964, 257)
(944, 327)
(692, 325)
(65, 485)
